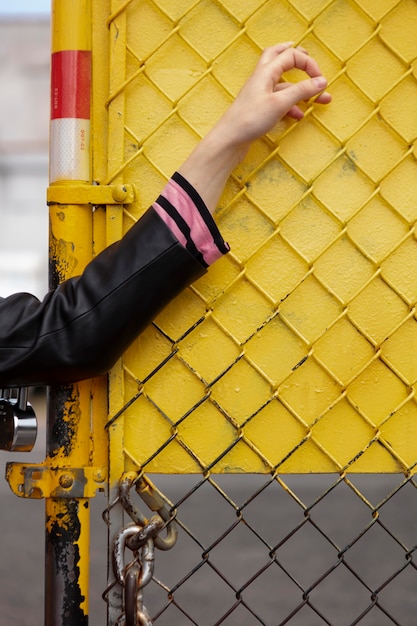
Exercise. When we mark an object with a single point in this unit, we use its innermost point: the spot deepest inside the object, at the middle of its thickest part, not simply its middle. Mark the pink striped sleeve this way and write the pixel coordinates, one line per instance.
(185, 213)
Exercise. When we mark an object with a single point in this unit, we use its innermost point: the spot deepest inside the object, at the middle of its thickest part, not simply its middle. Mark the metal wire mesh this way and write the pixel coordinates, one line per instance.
(295, 353)
(304, 550)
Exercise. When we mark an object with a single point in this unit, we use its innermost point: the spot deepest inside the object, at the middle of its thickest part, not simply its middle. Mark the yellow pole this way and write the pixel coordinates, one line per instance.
(68, 429)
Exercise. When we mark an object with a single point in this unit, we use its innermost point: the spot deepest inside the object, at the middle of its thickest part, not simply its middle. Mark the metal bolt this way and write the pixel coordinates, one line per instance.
(99, 476)
(66, 481)
(119, 193)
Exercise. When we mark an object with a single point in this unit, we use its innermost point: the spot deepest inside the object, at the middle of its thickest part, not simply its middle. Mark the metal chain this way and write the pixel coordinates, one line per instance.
(141, 537)
(155, 502)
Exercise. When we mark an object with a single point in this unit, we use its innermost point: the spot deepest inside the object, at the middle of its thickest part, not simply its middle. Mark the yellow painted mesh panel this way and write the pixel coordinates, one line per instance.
(296, 352)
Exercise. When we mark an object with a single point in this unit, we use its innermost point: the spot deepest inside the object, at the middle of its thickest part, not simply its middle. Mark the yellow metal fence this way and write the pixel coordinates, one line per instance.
(295, 354)
(279, 384)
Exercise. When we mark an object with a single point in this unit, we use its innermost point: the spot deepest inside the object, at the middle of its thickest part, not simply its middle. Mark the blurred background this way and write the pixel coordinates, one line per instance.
(24, 123)
(24, 131)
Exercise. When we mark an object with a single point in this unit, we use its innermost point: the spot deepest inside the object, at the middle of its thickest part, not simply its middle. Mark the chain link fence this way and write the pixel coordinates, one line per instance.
(301, 550)
(294, 355)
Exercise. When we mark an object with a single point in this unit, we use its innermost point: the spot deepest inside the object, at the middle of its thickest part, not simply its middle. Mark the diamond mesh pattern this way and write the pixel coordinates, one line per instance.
(293, 353)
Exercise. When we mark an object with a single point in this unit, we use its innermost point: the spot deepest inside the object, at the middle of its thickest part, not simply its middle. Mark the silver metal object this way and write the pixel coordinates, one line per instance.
(18, 424)
(140, 537)
(135, 575)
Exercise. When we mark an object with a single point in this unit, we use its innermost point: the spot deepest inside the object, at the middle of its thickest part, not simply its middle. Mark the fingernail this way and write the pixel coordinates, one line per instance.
(320, 81)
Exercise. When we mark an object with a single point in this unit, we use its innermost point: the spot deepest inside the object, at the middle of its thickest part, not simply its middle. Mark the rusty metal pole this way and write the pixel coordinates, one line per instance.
(68, 426)
(67, 519)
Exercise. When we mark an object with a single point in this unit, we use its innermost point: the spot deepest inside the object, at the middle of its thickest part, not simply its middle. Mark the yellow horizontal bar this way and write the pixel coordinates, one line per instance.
(91, 194)
(41, 481)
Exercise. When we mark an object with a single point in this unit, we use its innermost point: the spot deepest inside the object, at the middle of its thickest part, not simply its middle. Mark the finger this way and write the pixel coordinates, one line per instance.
(304, 90)
(323, 98)
(282, 85)
(293, 58)
(295, 112)
(273, 51)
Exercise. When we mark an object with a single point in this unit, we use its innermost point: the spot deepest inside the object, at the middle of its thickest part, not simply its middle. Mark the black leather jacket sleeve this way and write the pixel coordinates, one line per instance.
(82, 327)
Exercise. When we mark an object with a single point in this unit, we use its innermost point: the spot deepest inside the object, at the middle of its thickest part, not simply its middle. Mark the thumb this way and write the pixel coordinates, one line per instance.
(303, 90)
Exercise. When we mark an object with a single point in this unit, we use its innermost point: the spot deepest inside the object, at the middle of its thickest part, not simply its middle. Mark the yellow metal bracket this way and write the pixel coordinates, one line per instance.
(41, 481)
(91, 194)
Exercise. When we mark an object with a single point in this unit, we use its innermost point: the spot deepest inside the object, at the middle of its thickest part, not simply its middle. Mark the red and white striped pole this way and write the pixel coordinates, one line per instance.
(70, 104)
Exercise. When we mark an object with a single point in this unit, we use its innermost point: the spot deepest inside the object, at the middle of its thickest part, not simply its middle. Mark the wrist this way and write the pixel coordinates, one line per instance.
(220, 146)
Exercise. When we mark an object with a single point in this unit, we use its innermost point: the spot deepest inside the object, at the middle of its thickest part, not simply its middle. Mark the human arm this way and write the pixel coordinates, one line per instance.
(83, 326)
(260, 104)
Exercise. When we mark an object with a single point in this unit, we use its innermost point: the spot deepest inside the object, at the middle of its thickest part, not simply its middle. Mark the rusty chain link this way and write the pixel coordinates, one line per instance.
(141, 537)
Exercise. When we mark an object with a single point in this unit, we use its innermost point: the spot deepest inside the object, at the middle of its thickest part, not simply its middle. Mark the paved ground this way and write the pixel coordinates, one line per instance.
(205, 596)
